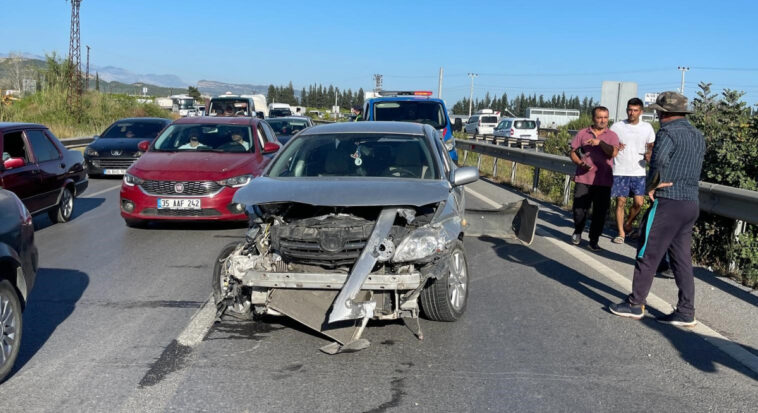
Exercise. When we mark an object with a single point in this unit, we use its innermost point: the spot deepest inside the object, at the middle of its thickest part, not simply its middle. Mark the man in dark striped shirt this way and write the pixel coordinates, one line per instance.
(672, 184)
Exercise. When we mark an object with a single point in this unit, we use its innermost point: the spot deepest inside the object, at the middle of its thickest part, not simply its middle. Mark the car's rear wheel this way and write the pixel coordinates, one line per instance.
(10, 328)
(445, 298)
(65, 208)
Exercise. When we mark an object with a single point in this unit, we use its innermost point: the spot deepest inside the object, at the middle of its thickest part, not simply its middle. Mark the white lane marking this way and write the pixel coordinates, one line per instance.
(199, 325)
(726, 345)
(101, 191)
(483, 198)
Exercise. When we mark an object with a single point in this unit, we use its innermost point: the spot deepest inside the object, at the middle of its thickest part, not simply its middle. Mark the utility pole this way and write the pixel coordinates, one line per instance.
(86, 77)
(74, 97)
(378, 81)
(336, 108)
(471, 93)
(683, 69)
(439, 88)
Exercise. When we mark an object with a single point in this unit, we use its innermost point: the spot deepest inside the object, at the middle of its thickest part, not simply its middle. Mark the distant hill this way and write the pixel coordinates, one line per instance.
(110, 74)
(136, 88)
(213, 88)
(27, 68)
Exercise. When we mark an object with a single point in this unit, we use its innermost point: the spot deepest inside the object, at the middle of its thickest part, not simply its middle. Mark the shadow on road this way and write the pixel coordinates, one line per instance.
(692, 348)
(191, 226)
(53, 298)
(81, 207)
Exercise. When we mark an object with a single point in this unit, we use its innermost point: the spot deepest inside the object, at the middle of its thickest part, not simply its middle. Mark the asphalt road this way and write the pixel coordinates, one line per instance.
(103, 332)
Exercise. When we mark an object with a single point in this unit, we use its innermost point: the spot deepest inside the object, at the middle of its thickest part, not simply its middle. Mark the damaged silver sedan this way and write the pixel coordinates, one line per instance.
(358, 221)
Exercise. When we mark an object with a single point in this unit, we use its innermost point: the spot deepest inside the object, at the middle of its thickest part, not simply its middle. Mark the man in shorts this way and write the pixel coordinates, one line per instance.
(635, 146)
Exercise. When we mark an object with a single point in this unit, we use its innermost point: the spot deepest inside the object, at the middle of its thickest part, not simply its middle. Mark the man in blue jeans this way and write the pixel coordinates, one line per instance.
(672, 184)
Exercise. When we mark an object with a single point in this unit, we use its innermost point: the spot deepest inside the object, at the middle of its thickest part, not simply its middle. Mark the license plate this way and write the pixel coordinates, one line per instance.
(178, 203)
(114, 171)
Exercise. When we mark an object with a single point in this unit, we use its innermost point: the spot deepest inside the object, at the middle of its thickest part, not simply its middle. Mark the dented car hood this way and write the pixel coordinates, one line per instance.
(347, 192)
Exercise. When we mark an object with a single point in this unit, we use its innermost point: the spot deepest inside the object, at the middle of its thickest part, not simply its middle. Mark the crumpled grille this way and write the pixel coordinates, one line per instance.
(331, 242)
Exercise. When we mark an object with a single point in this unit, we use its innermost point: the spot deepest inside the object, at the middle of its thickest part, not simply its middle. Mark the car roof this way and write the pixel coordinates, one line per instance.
(219, 120)
(148, 120)
(406, 99)
(13, 125)
(407, 128)
(291, 118)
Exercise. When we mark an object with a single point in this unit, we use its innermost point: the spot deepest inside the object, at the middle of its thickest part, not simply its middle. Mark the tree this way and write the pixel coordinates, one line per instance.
(97, 81)
(271, 96)
(194, 93)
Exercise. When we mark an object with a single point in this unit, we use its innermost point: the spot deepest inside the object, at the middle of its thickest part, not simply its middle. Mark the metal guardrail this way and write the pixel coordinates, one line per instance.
(726, 201)
(77, 142)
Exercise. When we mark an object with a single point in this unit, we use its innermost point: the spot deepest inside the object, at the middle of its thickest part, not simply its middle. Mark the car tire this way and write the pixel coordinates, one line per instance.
(65, 208)
(11, 327)
(237, 310)
(476, 133)
(445, 298)
(135, 223)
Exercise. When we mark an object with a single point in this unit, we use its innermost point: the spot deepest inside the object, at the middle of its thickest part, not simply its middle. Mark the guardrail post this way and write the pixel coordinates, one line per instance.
(536, 180)
(479, 162)
(494, 168)
(739, 228)
(465, 155)
(513, 174)
(566, 189)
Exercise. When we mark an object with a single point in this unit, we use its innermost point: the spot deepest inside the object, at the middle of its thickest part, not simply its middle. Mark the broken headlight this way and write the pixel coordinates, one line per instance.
(421, 243)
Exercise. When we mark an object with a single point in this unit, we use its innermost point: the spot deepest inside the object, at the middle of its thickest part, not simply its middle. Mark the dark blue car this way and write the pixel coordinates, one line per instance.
(417, 107)
(113, 152)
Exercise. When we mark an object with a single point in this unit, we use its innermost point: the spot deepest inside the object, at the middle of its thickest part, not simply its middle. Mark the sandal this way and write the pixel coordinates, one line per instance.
(618, 240)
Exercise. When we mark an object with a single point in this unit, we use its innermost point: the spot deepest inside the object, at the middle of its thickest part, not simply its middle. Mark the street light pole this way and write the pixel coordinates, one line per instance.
(471, 93)
(683, 69)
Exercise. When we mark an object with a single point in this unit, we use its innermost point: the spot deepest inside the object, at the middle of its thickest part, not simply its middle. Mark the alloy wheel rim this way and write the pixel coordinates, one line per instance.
(458, 280)
(67, 204)
(7, 329)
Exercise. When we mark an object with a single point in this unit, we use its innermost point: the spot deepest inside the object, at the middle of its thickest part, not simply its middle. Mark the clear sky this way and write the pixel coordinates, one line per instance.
(541, 47)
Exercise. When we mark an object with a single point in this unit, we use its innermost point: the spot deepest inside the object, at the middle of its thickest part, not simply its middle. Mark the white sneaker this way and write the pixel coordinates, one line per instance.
(576, 239)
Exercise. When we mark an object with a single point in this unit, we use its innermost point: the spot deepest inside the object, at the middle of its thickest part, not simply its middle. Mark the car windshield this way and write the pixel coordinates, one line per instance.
(133, 129)
(525, 124)
(229, 107)
(205, 137)
(428, 112)
(356, 155)
(287, 126)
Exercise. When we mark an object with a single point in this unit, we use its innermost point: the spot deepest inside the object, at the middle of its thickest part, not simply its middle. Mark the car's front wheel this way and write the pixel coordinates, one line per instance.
(226, 290)
(65, 208)
(445, 298)
(10, 328)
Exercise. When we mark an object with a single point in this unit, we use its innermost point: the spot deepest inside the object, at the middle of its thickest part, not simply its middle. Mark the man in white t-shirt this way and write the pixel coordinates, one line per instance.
(636, 144)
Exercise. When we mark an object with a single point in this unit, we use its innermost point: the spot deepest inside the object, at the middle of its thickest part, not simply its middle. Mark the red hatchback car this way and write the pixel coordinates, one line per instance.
(193, 168)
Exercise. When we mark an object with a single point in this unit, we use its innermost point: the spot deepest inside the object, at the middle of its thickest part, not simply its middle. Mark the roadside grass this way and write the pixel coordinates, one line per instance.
(50, 108)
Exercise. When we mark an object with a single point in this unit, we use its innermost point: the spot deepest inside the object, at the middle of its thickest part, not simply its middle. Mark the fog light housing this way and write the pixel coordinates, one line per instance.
(96, 164)
(127, 205)
(236, 208)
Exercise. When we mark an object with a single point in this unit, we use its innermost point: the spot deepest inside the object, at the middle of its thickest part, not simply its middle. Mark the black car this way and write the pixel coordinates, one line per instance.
(287, 127)
(113, 152)
(18, 269)
(40, 170)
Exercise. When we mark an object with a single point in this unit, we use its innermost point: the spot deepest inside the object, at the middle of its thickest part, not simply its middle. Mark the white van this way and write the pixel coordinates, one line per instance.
(482, 123)
(519, 128)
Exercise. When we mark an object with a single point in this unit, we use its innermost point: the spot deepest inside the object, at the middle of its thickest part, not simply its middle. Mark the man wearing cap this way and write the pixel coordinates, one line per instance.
(593, 150)
(672, 185)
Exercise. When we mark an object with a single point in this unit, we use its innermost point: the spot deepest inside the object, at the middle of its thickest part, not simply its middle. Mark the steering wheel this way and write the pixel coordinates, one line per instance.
(402, 173)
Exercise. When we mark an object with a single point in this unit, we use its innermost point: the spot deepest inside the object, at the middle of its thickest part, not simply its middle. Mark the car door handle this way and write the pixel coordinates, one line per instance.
(63, 165)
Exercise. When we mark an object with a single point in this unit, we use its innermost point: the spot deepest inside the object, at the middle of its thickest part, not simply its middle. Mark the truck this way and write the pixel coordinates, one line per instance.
(279, 109)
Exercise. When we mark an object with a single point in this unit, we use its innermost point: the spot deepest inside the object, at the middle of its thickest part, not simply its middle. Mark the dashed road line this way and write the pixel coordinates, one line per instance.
(708, 334)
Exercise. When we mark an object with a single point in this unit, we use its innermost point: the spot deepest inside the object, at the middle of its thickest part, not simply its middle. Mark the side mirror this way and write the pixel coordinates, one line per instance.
(270, 147)
(259, 115)
(143, 146)
(14, 163)
(464, 175)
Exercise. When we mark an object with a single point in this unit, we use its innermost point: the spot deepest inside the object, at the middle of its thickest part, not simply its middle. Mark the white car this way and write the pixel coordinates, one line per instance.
(481, 124)
(519, 128)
